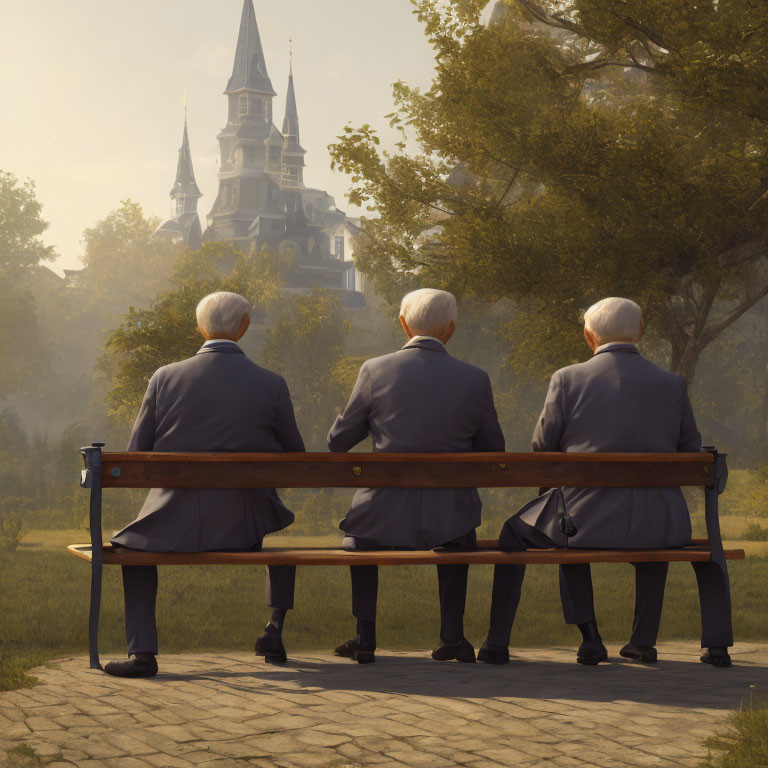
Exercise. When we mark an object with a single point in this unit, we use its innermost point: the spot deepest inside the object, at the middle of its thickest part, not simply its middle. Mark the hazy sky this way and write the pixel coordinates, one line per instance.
(92, 92)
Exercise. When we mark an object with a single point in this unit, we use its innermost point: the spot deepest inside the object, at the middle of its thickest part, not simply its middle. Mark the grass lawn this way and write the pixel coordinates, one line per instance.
(44, 605)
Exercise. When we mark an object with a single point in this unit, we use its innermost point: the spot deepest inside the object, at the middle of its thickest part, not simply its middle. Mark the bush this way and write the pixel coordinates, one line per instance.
(744, 744)
(755, 532)
(11, 531)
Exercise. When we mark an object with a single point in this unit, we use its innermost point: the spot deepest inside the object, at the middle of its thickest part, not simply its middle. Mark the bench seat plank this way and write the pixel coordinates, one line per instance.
(284, 556)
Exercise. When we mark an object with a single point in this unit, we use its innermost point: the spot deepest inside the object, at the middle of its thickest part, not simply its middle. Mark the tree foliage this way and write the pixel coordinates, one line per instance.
(123, 264)
(166, 331)
(21, 226)
(21, 251)
(574, 149)
(306, 347)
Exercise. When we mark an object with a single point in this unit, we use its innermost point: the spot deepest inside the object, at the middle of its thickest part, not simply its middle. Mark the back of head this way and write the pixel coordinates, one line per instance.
(614, 319)
(222, 313)
(429, 311)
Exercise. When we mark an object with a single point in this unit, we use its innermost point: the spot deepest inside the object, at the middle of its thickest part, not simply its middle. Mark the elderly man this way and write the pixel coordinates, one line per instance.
(419, 399)
(217, 400)
(615, 402)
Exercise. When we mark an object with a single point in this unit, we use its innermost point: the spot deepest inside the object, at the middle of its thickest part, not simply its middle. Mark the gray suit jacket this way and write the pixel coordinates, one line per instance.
(216, 401)
(419, 400)
(617, 402)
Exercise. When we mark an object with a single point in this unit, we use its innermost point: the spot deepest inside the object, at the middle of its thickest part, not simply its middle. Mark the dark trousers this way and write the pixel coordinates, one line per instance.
(577, 599)
(140, 591)
(452, 587)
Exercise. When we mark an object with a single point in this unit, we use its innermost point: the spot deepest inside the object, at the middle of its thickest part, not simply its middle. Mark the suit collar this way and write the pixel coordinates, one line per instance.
(619, 346)
(221, 345)
(426, 343)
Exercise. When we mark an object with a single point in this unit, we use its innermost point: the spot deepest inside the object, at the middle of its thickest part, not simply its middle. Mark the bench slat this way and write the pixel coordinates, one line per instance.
(404, 470)
(281, 556)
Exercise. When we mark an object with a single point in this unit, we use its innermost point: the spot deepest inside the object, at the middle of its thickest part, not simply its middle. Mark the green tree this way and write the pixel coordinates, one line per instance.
(306, 347)
(21, 226)
(575, 149)
(21, 251)
(123, 264)
(166, 331)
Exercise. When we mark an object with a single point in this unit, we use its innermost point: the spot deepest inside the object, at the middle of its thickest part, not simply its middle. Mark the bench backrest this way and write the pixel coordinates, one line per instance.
(404, 470)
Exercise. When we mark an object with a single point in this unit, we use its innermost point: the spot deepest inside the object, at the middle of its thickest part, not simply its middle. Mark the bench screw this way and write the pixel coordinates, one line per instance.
(116, 472)
(357, 471)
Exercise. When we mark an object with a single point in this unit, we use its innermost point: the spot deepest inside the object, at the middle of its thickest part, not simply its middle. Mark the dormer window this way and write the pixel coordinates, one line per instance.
(242, 104)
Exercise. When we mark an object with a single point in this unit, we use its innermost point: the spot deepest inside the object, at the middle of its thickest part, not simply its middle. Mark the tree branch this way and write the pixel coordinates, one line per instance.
(632, 63)
(557, 22)
(714, 331)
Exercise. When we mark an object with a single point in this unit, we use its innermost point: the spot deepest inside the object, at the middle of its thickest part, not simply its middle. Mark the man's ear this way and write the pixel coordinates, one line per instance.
(640, 331)
(447, 335)
(590, 339)
(244, 324)
(408, 332)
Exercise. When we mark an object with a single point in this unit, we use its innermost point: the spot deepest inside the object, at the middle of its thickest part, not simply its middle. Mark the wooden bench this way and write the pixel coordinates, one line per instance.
(404, 470)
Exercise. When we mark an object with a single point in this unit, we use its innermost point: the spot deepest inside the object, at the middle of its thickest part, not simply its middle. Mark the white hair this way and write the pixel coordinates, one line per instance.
(614, 319)
(429, 311)
(222, 312)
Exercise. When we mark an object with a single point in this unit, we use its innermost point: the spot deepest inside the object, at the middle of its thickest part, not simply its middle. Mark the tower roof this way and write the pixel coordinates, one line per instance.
(250, 69)
(185, 176)
(291, 119)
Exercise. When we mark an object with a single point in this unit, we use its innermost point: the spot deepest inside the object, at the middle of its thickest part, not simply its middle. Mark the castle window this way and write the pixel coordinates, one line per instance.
(291, 175)
(275, 155)
(339, 247)
(179, 206)
(242, 104)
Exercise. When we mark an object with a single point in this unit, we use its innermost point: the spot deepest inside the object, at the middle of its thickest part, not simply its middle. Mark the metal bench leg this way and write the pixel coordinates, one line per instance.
(92, 479)
(711, 512)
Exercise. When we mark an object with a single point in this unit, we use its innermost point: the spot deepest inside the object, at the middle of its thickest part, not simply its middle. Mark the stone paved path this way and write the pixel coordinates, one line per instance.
(233, 710)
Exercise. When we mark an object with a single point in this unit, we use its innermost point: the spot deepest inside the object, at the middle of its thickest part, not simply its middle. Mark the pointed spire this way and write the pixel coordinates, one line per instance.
(291, 119)
(185, 184)
(250, 69)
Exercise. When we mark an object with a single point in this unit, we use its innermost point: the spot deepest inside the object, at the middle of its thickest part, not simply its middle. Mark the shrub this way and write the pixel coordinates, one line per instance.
(745, 743)
(755, 532)
(11, 531)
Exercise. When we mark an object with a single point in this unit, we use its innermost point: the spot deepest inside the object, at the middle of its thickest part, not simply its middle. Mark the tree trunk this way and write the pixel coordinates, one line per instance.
(686, 364)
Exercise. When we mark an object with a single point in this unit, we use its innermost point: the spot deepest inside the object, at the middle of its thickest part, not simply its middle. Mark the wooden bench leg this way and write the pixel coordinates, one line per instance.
(92, 479)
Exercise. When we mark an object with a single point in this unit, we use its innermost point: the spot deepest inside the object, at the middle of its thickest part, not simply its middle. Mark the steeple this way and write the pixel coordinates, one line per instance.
(250, 70)
(184, 224)
(293, 152)
(291, 119)
(185, 185)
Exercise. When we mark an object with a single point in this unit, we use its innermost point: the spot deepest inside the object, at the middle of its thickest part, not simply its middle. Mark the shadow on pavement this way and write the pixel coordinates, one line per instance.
(687, 684)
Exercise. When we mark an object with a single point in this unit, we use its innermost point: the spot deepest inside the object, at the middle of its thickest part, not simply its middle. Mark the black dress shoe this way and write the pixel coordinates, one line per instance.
(351, 650)
(269, 644)
(717, 657)
(591, 653)
(493, 654)
(141, 665)
(461, 651)
(645, 653)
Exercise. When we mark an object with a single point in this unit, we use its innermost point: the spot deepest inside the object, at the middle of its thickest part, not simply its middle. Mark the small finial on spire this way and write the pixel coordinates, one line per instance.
(290, 55)
(185, 106)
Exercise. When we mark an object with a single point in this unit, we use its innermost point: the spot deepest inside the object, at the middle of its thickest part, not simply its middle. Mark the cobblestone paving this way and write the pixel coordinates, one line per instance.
(231, 709)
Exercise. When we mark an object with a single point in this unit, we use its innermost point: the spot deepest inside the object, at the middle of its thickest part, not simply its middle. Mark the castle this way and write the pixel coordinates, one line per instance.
(262, 201)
